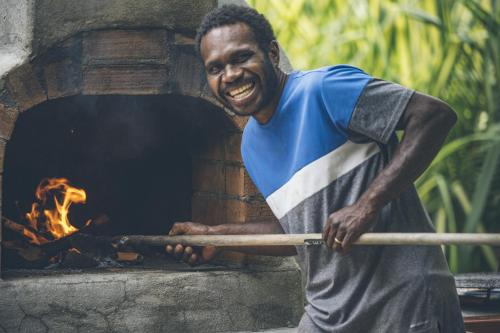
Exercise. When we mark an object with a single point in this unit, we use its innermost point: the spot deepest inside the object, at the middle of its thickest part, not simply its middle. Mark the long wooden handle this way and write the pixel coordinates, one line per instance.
(314, 239)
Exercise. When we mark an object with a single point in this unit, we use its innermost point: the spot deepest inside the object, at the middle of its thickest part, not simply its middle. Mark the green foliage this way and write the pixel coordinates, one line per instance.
(446, 48)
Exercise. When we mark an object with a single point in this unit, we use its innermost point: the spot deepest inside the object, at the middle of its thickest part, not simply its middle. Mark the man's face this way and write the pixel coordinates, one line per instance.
(239, 73)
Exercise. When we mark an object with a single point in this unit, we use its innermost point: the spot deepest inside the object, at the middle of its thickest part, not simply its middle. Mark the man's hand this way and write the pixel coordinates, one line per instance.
(347, 224)
(196, 255)
(190, 255)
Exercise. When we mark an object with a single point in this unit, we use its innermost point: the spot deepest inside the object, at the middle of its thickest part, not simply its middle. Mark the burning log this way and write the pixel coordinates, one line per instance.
(130, 257)
(94, 225)
(36, 251)
(82, 239)
(26, 251)
(84, 242)
(61, 244)
(22, 254)
(47, 236)
(24, 231)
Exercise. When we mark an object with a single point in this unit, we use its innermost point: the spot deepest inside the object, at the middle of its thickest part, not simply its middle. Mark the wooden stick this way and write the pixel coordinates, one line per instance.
(313, 239)
(23, 230)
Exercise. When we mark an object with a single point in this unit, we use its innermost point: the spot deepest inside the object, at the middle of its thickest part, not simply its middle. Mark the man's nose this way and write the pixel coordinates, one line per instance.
(231, 73)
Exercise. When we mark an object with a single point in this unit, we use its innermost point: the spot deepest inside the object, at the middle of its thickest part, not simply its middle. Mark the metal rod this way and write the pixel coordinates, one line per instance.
(314, 239)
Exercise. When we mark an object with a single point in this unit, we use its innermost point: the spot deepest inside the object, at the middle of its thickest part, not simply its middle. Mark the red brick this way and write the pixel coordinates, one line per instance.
(207, 95)
(125, 62)
(235, 180)
(3, 143)
(188, 75)
(133, 80)
(63, 79)
(232, 147)
(249, 187)
(259, 211)
(235, 211)
(181, 39)
(25, 88)
(125, 46)
(239, 121)
(8, 117)
(208, 210)
(208, 176)
(212, 150)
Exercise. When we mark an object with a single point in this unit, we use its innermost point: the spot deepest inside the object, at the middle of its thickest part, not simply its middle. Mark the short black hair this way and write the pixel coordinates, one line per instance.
(232, 14)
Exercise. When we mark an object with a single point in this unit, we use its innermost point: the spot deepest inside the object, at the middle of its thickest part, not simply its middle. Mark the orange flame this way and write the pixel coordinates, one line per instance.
(54, 220)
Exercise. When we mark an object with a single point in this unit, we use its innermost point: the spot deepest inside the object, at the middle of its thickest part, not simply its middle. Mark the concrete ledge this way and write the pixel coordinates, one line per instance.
(152, 301)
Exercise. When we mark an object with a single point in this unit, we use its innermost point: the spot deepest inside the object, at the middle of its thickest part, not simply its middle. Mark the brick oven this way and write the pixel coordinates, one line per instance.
(111, 96)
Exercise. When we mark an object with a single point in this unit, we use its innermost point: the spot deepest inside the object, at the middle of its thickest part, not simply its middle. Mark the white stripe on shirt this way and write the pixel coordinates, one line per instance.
(319, 174)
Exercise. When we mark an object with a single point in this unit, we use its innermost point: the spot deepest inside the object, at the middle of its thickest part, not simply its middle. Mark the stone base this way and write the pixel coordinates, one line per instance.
(207, 300)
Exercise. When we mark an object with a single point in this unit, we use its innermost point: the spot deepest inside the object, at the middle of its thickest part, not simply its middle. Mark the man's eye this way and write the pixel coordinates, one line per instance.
(242, 58)
(213, 70)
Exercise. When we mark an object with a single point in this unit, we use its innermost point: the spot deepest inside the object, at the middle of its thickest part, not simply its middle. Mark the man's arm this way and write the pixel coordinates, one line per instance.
(426, 122)
(207, 253)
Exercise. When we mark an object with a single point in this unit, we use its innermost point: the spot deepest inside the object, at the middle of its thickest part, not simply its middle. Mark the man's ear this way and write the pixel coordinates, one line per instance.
(274, 52)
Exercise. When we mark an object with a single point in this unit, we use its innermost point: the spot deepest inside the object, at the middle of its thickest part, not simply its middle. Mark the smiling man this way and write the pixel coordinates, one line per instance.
(321, 147)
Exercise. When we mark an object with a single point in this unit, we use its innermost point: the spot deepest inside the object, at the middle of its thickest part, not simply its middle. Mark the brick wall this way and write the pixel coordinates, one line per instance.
(222, 190)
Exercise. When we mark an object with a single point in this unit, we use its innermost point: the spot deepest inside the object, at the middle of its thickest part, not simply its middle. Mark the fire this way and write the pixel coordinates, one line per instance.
(33, 237)
(50, 212)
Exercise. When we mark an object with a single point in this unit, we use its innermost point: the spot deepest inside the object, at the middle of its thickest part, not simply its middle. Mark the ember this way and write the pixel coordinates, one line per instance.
(55, 192)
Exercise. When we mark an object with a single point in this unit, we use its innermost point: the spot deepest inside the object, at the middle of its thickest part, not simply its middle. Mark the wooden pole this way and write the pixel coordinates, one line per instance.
(313, 239)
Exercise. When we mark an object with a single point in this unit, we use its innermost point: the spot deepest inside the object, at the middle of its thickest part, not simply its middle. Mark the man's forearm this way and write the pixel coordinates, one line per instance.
(424, 134)
(254, 228)
(426, 122)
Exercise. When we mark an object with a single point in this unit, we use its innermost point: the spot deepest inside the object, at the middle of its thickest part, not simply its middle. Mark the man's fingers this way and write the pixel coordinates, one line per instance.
(179, 251)
(331, 237)
(347, 241)
(338, 240)
(187, 253)
(326, 230)
(193, 259)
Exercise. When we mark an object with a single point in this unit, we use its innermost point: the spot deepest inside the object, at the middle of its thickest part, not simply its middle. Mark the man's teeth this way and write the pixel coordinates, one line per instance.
(240, 90)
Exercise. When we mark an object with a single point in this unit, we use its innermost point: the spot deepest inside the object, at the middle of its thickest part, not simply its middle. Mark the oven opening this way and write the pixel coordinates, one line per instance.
(88, 168)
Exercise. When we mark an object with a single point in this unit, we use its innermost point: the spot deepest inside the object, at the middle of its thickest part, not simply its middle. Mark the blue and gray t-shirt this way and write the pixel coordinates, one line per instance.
(331, 134)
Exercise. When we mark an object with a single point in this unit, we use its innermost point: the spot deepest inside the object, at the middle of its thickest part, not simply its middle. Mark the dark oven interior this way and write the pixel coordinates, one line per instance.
(133, 155)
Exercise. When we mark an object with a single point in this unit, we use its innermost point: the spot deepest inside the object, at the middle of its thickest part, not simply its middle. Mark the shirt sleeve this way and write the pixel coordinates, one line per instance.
(378, 110)
(341, 88)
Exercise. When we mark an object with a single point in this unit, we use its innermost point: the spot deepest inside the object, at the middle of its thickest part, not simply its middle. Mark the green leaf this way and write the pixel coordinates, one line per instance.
(486, 18)
(483, 187)
(421, 16)
(450, 216)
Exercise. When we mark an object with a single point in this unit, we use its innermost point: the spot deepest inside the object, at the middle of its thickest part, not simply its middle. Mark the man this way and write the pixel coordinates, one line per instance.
(321, 147)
